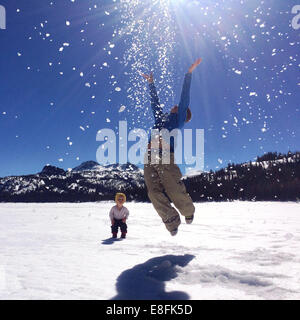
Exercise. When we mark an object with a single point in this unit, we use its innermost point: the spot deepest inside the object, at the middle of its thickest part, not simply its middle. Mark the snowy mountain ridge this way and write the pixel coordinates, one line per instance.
(94, 166)
(271, 177)
(266, 163)
(87, 182)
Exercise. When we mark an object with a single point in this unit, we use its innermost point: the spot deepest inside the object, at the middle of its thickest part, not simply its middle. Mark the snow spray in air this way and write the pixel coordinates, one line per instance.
(148, 31)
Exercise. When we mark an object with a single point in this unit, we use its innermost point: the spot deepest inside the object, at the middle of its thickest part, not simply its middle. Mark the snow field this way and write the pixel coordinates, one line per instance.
(236, 250)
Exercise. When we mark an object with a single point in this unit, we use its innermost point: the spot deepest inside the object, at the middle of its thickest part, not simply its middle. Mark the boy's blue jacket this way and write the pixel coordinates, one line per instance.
(171, 121)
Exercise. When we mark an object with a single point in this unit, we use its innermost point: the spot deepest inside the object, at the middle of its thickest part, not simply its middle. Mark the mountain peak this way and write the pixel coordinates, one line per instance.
(51, 170)
(87, 165)
(92, 165)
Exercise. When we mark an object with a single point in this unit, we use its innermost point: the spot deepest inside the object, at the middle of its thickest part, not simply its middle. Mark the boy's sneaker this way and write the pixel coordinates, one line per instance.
(174, 232)
(123, 235)
(114, 235)
(189, 219)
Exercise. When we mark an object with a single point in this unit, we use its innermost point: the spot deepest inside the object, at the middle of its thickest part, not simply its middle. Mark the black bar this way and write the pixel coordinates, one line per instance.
(154, 309)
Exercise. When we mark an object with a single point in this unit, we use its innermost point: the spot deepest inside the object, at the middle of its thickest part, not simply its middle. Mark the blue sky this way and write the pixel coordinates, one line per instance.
(67, 67)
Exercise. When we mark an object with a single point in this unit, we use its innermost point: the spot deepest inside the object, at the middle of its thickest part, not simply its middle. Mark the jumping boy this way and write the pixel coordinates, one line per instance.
(118, 215)
(163, 181)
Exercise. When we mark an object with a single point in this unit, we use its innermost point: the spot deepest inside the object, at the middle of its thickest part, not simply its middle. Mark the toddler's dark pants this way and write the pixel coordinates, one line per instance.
(117, 224)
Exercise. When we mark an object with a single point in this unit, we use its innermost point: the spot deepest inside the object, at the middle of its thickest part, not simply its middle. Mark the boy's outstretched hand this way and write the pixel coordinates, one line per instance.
(195, 65)
(149, 77)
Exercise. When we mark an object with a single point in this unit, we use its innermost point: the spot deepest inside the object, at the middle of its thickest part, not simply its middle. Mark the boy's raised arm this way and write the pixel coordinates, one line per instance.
(185, 99)
(155, 105)
(185, 94)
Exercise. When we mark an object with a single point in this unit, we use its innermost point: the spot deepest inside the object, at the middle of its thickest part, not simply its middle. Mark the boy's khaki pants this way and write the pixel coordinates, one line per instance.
(166, 178)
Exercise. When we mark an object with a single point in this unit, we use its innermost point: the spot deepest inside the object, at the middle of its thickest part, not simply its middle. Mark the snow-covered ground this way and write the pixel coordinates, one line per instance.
(237, 250)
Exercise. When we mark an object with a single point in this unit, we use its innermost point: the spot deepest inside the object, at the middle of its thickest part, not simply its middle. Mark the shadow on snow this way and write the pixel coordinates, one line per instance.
(111, 240)
(146, 281)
